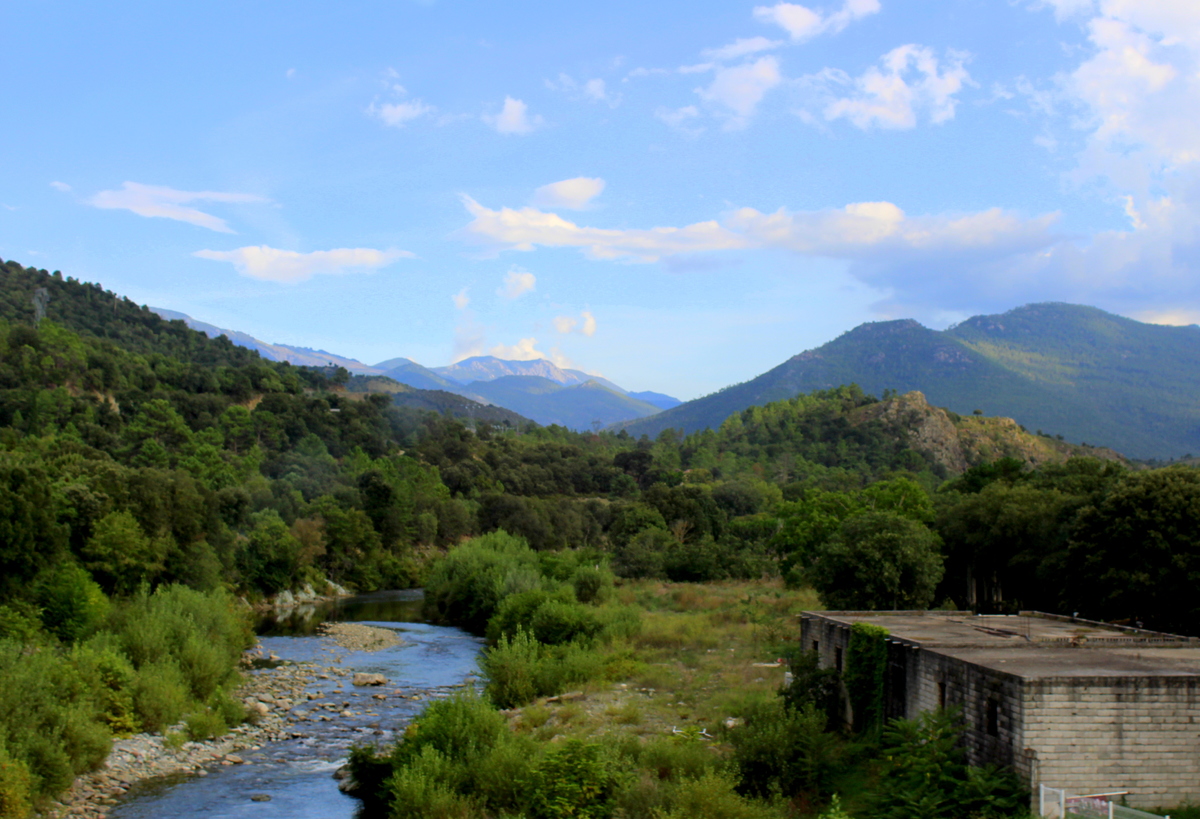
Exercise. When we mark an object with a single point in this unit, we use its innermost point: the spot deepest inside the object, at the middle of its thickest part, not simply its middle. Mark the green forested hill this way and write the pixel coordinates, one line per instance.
(1065, 369)
(574, 406)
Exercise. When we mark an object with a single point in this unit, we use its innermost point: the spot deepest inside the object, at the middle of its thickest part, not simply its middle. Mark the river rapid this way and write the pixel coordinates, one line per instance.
(293, 779)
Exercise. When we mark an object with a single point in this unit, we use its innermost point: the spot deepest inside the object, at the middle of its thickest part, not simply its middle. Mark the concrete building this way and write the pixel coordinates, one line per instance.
(1071, 703)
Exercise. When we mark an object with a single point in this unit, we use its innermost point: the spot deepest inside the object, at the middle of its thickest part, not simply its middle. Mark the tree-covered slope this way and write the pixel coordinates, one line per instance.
(1065, 369)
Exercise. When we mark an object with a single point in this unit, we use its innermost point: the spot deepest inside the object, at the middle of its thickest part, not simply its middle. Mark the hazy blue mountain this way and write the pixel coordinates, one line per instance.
(577, 406)
(658, 399)
(489, 368)
(302, 356)
(1065, 369)
(407, 371)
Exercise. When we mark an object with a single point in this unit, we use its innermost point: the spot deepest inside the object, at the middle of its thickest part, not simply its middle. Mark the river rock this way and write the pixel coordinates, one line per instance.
(362, 678)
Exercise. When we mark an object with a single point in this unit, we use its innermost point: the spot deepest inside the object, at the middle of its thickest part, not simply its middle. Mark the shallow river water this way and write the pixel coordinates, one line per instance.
(297, 775)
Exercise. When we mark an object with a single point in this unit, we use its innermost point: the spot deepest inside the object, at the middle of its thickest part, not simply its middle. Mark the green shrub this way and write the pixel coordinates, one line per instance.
(515, 612)
(72, 604)
(205, 724)
(515, 670)
(500, 780)
(592, 584)
(783, 750)
(575, 779)
(109, 677)
(556, 622)
(425, 788)
(160, 694)
(20, 623)
(463, 728)
(672, 760)
(713, 797)
(466, 586)
(16, 787)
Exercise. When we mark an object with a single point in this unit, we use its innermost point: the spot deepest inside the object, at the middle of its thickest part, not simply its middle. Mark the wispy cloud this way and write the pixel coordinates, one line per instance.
(802, 23)
(289, 266)
(593, 90)
(573, 194)
(169, 203)
(63, 186)
(908, 80)
(461, 299)
(514, 118)
(737, 90)
(399, 114)
(741, 47)
(584, 325)
(517, 282)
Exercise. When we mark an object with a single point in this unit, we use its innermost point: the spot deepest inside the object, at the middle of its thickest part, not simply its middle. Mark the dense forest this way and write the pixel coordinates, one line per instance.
(146, 467)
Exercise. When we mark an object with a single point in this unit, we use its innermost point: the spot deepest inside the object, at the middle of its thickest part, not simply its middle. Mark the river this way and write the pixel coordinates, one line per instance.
(294, 779)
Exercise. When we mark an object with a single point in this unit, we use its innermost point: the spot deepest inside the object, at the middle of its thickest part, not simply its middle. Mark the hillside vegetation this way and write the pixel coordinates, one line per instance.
(1065, 369)
(147, 468)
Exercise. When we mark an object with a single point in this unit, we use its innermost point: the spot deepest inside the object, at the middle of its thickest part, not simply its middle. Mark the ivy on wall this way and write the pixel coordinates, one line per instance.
(866, 664)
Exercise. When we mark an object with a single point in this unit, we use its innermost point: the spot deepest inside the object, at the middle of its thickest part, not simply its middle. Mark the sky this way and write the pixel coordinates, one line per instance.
(678, 196)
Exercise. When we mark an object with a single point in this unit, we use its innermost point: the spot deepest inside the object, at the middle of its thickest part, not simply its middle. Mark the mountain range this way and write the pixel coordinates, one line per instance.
(1064, 369)
(539, 389)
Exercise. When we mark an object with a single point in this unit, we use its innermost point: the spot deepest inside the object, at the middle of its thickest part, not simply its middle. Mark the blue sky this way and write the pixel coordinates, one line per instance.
(676, 195)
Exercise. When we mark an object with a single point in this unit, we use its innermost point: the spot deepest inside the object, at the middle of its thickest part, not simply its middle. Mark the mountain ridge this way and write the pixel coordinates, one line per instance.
(1067, 369)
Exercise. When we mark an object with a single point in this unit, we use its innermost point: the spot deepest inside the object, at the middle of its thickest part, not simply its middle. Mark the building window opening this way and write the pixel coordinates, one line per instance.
(816, 646)
(941, 695)
(837, 659)
(993, 717)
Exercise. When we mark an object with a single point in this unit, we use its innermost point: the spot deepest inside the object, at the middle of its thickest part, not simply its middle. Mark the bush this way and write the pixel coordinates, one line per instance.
(576, 779)
(466, 586)
(556, 622)
(16, 787)
(72, 604)
(160, 694)
(205, 724)
(425, 788)
(782, 750)
(592, 584)
(713, 797)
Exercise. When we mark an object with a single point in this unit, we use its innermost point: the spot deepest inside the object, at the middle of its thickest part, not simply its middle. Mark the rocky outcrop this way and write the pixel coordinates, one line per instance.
(957, 442)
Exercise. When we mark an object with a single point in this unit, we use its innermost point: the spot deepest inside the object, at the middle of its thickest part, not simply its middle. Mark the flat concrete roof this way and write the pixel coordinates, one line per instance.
(1034, 645)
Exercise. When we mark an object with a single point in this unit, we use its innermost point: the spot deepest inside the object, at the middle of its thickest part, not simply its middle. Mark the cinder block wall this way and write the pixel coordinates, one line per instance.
(1139, 734)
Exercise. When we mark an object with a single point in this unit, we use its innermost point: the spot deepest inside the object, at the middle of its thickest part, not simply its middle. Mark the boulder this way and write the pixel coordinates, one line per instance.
(362, 678)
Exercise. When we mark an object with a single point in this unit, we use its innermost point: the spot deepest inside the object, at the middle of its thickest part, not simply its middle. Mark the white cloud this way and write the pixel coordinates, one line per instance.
(910, 80)
(461, 299)
(678, 117)
(291, 72)
(168, 203)
(593, 90)
(399, 114)
(584, 325)
(1173, 318)
(289, 267)
(526, 228)
(866, 232)
(802, 23)
(517, 282)
(61, 186)
(513, 118)
(741, 88)
(526, 350)
(573, 194)
(741, 47)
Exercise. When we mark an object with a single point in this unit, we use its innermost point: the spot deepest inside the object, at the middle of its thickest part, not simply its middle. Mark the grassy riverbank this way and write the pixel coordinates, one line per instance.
(653, 700)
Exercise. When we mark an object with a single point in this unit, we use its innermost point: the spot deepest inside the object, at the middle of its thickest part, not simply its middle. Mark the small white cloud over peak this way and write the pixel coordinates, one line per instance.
(291, 73)
(741, 47)
(289, 267)
(168, 203)
(517, 282)
(1174, 317)
(514, 118)
(909, 80)
(802, 23)
(62, 186)
(461, 299)
(573, 194)
(584, 325)
(739, 89)
(526, 350)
